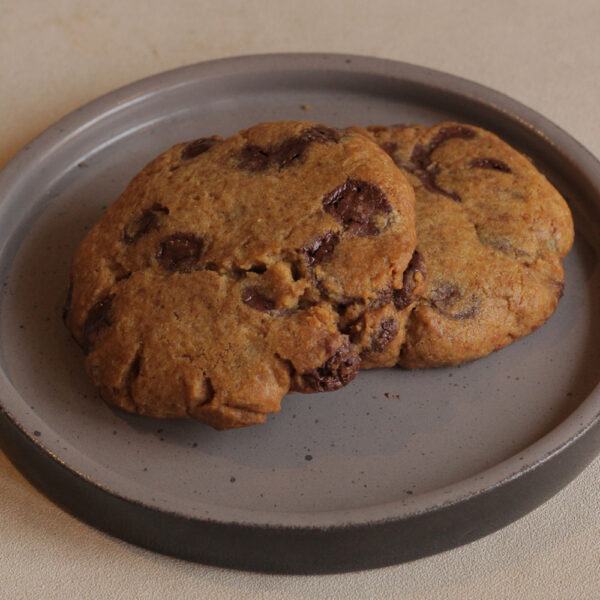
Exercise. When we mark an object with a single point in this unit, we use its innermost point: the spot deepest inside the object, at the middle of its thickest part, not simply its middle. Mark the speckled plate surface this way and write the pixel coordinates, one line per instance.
(395, 466)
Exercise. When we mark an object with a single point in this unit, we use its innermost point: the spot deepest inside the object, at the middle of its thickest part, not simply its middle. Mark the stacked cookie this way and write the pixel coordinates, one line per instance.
(286, 257)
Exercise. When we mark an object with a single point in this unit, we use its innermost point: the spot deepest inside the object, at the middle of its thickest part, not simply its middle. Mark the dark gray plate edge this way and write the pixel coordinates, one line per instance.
(299, 550)
(373, 550)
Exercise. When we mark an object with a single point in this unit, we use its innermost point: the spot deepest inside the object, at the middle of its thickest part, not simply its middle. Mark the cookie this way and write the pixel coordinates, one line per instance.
(491, 231)
(223, 276)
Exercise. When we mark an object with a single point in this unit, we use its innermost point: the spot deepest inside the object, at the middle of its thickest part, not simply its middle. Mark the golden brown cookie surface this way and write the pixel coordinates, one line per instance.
(491, 230)
(219, 280)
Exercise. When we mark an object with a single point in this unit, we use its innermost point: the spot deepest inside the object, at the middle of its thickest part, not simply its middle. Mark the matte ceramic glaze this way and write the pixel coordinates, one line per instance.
(396, 465)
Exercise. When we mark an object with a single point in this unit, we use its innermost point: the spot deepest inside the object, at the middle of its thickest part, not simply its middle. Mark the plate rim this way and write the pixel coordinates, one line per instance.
(122, 98)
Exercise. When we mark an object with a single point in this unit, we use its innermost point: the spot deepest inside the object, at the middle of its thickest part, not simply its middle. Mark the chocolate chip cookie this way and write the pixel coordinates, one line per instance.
(230, 272)
(491, 230)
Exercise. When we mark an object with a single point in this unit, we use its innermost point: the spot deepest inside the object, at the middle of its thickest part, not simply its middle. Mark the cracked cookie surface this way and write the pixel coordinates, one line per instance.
(491, 230)
(230, 272)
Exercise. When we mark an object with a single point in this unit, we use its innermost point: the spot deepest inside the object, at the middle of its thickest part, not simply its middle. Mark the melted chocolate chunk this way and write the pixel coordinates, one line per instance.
(490, 163)
(140, 226)
(469, 313)
(445, 294)
(289, 151)
(98, 317)
(255, 158)
(335, 372)
(255, 299)
(420, 158)
(405, 296)
(461, 315)
(390, 148)
(355, 204)
(387, 331)
(144, 223)
(427, 178)
(180, 252)
(321, 249)
(447, 133)
(199, 146)
(383, 297)
(321, 134)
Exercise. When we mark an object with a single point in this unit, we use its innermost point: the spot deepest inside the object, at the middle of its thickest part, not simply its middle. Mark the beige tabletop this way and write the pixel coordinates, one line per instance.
(55, 56)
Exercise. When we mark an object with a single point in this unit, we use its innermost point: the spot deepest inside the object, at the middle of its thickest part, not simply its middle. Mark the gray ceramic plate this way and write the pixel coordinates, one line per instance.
(395, 466)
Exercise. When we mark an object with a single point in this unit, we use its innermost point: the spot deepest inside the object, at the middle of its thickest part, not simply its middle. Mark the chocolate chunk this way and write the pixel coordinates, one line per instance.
(383, 297)
(294, 148)
(402, 299)
(390, 148)
(449, 193)
(468, 313)
(445, 294)
(289, 151)
(98, 317)
(405, 296)
(180, 252)
(255, 158)
(427, 178)
(420, 158)
(199, 146)
(321, 134)
(321, 249)
(335, 372)
(502, 244)
(255, 299)
(450, 132)
(387, 331)
(461, 315)
(490, 163)
(421, 155)
(356, 204)
(142, 224)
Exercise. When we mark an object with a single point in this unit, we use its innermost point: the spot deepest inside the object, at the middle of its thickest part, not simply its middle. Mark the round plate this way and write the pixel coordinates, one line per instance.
(395, 466)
